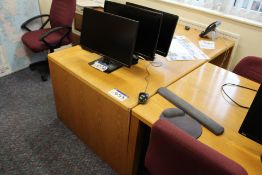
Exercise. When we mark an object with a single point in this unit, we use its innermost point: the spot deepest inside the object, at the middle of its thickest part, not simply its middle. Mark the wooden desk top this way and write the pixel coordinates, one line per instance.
(130, 81)
(202, 89)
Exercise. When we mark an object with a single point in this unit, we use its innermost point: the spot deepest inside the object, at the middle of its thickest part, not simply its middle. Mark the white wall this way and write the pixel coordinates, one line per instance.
(250, 36)
(44, 6)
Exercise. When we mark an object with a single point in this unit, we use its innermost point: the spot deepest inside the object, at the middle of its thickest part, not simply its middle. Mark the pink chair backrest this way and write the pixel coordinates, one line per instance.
(62, 12)
(173, 152)
(250, 67)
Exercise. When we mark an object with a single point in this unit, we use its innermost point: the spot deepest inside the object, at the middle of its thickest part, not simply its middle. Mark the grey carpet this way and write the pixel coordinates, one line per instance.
(32, 139)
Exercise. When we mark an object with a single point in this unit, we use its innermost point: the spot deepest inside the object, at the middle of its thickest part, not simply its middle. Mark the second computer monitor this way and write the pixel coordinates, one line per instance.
(149, 26)
(167, 30)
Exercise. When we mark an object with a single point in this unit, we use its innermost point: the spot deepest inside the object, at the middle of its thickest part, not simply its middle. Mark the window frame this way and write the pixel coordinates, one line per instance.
(213, 12)
(239, 3)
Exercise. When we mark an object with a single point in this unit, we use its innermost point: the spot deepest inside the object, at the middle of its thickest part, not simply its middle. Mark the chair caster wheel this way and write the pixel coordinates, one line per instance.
(44, 78)
(32, 68)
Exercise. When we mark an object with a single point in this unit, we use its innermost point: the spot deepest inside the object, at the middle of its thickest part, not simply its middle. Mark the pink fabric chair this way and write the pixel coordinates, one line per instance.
(173, 152)
(61, 19)
(250, 67)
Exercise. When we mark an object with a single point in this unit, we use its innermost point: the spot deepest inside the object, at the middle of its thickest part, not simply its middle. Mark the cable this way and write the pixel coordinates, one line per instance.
(231, 84)
(146, 77)
(224, 59)
(156, 63)
(225, 54)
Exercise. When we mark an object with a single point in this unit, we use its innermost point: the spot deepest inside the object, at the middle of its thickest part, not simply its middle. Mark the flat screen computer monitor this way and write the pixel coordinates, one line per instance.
(252, 124)
(167, 30)
(110, 35)
(149, 26)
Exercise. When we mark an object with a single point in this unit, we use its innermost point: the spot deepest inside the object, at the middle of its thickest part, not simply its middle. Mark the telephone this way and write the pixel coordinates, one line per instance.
(211, 27)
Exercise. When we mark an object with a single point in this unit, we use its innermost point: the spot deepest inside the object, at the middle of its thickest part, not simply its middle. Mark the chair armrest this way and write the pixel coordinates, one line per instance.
(59, 42)
(24, 25)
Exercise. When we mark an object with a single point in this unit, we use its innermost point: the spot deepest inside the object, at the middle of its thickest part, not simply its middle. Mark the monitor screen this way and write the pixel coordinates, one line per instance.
(167, 30)
(110, 35)
(252, 124)
(149, 26)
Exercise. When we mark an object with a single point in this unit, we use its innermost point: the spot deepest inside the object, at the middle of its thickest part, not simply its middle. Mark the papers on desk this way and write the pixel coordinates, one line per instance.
(183, 49)
(90, 3)
(203, 44)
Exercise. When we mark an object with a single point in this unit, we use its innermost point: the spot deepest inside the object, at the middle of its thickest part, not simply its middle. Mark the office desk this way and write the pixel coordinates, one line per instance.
(202, 89)
(85, 106)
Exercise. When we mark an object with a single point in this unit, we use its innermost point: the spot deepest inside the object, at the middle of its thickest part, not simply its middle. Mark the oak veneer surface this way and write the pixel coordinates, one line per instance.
(130, 81)
(84, 105)
(202, 89)
(101, 124)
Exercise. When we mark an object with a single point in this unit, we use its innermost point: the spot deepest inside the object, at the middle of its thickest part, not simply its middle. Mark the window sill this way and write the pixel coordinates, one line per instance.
(216, 13)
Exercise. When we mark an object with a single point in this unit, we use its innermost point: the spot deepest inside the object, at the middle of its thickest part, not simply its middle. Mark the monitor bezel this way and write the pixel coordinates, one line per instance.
(245, 127)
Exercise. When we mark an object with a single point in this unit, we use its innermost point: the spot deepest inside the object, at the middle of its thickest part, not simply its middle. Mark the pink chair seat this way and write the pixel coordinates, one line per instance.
(31, 40)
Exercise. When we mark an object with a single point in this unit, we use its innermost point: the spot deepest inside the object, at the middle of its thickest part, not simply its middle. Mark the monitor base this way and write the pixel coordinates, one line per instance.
(105, 65)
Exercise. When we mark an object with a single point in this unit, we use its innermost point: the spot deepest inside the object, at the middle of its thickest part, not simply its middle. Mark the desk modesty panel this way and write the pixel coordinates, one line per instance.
(202, 89)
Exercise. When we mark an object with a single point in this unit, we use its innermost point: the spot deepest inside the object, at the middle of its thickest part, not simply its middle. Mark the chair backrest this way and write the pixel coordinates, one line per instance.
(62, 12)
(171, 151)
(250, 67)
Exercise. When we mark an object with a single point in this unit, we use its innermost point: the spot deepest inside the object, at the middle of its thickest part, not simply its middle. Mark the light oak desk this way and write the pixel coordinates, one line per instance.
(85, 106)
(202, 89)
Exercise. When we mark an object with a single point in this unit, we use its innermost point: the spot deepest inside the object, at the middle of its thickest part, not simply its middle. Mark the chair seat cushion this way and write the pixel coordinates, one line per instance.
(31, 40)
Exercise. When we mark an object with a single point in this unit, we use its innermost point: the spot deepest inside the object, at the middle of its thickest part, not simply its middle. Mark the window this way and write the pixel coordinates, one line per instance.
(251, 5)
(235, 9)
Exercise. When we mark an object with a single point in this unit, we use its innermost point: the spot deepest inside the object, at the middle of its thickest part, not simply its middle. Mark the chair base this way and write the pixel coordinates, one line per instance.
(42, 67)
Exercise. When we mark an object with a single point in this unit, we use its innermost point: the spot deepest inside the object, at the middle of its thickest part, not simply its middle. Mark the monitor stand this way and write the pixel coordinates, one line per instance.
(105, 64)
(135, 59)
